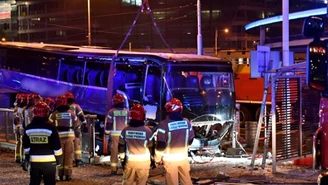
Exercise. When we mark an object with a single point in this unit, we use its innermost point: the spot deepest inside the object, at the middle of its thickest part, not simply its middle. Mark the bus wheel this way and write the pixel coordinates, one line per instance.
(245, 115)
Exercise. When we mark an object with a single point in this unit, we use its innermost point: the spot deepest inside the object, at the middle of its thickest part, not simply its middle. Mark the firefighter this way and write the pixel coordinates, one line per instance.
(32, 99)
(65, 121)
(134, 148)
(51, 103)
(323, 178)
(83, 126)
(42, 147)
(20, 103)
(117, 118)
(174, 135)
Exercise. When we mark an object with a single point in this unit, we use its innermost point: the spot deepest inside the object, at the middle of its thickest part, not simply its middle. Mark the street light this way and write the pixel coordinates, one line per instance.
(89, 25)
(226, 30)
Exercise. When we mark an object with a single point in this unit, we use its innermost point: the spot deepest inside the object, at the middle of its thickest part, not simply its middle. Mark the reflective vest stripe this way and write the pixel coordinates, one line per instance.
(66, 134)
(58, 152)
(115, 132)
(137, 157)
(42, 158)
(78, 152)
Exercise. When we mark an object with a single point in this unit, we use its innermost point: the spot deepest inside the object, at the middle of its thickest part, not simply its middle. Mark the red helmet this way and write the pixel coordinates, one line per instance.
(118, 98)
(18, 98)
(41, 110)
(69, 95)
(49, 101)
(138, 112)
(33, 98)
(61, 100)
(23, 98)
(173, 105)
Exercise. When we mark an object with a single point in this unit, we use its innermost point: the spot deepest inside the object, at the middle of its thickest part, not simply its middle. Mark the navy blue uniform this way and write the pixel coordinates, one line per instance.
(43, 149)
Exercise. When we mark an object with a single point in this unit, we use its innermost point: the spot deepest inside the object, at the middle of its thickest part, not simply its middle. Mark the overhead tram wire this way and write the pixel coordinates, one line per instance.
(107, 31)
(176, 8)
(111, 70)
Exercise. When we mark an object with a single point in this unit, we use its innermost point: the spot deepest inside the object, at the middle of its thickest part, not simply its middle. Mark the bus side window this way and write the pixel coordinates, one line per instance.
(206, 82)
(104, 78)
(48, 67)
(92, 77)
(119, 80)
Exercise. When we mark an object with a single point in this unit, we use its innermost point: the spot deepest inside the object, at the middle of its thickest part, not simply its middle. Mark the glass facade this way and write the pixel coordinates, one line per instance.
(65, 21)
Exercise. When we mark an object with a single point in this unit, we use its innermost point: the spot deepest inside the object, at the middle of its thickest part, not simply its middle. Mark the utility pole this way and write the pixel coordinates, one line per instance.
(89, 25)
(199, 26)
(285, 32)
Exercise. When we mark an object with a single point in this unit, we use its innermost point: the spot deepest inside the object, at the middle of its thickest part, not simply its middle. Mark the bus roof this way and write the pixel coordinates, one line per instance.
(94, 50)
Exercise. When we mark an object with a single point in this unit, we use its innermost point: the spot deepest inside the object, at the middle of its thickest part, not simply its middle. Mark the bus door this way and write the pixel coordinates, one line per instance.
(152, 91)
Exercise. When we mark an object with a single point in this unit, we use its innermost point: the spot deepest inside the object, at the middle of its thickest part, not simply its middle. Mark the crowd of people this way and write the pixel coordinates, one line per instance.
(48, 133)
(40, 124)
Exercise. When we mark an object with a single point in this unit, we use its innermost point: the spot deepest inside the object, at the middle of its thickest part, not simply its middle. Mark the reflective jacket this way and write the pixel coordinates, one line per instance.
(116, 120)
(137, 141)
(28, 115)
(176, 136)
(41, 142)
(76, 108)
(66, 122)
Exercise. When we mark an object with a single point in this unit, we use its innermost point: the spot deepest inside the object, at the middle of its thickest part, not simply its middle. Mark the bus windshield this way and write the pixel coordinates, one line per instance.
(206, 96)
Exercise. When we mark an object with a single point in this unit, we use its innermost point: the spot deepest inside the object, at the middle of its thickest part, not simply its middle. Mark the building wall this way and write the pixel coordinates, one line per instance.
(65, 21)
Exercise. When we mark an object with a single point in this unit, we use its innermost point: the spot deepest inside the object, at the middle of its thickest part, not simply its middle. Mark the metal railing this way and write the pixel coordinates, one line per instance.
(89, 138)
(6, 125)
(7, 134)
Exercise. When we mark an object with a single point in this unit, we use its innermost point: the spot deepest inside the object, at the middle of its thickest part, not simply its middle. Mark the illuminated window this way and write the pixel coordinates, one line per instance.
(133, 2)
(216, 13)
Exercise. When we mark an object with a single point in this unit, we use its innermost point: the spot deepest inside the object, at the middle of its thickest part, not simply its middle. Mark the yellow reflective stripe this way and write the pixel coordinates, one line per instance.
(42, 158)
(113, 164)
(137, 157)
(58, 152)
(115, 134)
(78, 152)
(66, 134)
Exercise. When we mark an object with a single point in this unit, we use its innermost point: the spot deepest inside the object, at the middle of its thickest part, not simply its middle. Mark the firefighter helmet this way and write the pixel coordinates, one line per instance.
(23, 98)
(33, 98)
(18, 98)
(61, 100)
(118, 99)
(173, 105)
(138, 112)
(49, 101)
(69, 95)
(41, 110)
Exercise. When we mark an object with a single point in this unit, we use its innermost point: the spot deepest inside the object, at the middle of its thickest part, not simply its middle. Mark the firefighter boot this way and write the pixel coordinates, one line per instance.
(79, 163)
(68, 178)
(17, 161)
(60, 178)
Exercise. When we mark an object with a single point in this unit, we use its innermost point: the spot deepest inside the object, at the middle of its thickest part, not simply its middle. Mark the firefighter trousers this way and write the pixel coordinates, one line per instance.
(136, 173)
(114, 153)
(67, 145)
(45, 169)
(19, 150)
(177, 170)
(77, 148)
